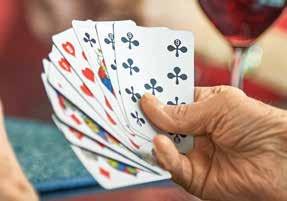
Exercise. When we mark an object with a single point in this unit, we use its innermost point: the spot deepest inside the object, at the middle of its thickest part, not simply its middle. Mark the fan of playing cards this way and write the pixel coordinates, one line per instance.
(95, 76)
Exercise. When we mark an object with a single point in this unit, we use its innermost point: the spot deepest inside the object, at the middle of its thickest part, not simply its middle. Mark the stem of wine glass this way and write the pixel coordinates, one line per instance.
(237, 68)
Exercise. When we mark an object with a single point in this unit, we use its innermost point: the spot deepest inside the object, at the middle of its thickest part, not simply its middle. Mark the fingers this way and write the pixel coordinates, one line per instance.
(197, 118)
(184, 119)
(190, 171)
(171, 160)
(204, 93)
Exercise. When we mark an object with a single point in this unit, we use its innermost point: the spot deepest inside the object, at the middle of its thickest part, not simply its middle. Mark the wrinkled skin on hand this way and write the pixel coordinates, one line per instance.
(240, 145)
(13, 184)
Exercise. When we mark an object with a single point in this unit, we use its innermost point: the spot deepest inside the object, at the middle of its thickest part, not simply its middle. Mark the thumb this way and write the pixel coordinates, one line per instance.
(171, 160)
(184, 119)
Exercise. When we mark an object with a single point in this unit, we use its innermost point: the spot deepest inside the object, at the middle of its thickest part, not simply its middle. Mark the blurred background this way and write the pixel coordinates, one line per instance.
(27, 27)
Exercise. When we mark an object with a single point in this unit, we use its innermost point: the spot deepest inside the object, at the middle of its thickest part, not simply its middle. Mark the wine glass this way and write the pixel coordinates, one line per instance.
(241, 22)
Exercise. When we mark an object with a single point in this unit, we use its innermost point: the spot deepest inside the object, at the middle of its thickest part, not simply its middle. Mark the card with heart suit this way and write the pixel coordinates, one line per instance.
(95, 76)
(89, 39)
(139, 146)
(68, 113)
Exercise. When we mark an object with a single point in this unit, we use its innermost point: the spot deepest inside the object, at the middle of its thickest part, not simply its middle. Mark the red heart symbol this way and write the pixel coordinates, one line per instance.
(104, 173)
(89, 74)
(75, 119)
(61, 102)
(86, 90)
(76, 133)
(112, 139)
(69, 48)
(111, 120)
(134, 144)
(108, 104)
(101, 145)
(64, 64)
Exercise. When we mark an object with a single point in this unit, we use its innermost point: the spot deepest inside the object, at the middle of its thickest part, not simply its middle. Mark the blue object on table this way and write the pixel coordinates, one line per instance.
(46, 156)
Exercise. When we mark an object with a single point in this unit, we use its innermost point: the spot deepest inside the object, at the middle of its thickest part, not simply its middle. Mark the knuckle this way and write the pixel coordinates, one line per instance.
(230, 90)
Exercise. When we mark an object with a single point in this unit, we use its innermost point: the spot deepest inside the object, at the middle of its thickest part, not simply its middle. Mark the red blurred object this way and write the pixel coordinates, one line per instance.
(139, 194)
(7, 20)
(212, 75)
(241, 21)
(21, 90)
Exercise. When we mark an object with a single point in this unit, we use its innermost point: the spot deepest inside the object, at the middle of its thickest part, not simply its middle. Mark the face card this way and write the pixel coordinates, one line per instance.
(69, 51)
(106, 37)
(82, 89)
(86, 30)
(88, 39)
(105, 32)
(76, 93)
(112, 174)
(166, 72)
(67, 112)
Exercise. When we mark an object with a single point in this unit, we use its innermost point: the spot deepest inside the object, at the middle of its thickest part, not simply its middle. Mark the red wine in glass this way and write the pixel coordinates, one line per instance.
(242, 22)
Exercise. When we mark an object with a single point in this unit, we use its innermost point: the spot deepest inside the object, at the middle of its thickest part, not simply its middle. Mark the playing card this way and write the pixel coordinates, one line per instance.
(166, 72)
(105, 32)
(69, 51)
(79, 139)
(78, 120)
(79, 87)
(113, 174)
(97, 73)
(88, 39)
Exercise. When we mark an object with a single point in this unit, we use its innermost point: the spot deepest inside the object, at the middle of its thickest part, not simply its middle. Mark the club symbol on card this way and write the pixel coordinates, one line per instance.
(176, 102)
(114, 65)
(129, 65)
(130, 41)
(177, 137)
(88, 39)
(140, 121)
(110, 40)
(177, 48)
(177, 75)
(134, 96)
(153, 86)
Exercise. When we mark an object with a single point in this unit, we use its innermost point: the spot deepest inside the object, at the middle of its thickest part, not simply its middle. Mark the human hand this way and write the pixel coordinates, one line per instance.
(13, 184)
(240, 145)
